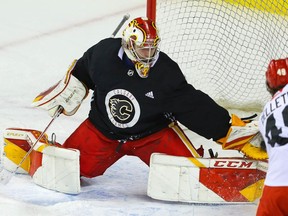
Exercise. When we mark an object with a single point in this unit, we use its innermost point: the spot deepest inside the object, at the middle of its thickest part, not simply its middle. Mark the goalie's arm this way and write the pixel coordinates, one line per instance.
(82, 70)
(204, 116)
(72, 89)
(197, 111)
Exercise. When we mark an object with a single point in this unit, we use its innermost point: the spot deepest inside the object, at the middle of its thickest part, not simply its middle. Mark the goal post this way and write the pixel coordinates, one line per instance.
(151, 9)
(224, 47)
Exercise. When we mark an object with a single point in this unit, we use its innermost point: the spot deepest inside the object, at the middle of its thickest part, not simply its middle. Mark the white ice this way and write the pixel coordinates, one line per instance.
(38, 41)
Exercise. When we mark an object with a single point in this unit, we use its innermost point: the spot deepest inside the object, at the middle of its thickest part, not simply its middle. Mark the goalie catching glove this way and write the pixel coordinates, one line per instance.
(67, 93)
(245, 137)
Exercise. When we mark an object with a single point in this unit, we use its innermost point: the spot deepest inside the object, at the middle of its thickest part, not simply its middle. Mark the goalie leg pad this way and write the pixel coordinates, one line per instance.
(17, 143)
(50, 166)
(59, 169)
(205, 180)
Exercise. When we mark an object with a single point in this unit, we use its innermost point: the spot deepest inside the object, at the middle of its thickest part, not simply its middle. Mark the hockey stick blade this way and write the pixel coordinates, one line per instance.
(5, 176)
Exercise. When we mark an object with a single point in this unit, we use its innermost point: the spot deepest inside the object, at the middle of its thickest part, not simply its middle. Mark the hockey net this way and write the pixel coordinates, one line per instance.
(224, 47)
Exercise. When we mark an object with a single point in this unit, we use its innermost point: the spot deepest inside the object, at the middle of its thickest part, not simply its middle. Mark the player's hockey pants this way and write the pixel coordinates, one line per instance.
(274, 201)
(97, 152)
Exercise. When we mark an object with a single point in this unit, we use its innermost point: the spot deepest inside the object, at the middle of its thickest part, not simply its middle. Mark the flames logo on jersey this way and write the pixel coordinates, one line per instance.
(122, 108)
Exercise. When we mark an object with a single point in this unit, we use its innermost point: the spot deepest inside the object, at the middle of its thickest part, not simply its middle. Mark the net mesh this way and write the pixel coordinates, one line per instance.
(224, 47)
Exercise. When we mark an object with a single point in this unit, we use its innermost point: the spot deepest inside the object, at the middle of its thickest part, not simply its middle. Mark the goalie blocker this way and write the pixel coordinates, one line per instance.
(50, 166)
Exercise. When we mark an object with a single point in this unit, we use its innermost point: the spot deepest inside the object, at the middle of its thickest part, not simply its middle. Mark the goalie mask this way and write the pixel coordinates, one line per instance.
(277, 75)
(140, 42)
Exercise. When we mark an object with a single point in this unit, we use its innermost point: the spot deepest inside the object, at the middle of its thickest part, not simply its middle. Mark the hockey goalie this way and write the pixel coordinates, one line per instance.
(139, 97)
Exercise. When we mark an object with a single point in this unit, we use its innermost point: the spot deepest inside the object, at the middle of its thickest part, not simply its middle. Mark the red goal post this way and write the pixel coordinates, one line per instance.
(151, 9)
(224, 47)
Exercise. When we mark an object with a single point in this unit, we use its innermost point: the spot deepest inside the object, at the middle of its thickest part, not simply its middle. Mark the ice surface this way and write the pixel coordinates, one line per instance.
(38, 41)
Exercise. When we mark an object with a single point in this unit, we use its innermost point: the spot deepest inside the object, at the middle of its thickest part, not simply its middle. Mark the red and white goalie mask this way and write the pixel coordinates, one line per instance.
(277, 73)
(141, 44)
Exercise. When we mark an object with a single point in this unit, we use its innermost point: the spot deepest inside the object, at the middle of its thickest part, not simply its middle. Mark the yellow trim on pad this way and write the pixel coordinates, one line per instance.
(253, 191)
(15, 154)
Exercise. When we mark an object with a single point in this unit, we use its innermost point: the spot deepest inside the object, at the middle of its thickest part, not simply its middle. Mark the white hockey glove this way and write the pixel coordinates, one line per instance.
(67, 93)
(245, 137)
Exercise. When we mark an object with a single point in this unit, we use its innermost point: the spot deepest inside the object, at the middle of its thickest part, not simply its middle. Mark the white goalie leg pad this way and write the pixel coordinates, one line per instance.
(200, 180)
(59, 170)
(50, 166)
(174, 178)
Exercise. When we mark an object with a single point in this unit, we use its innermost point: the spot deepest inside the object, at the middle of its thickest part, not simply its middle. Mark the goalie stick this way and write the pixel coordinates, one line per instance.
(124, 19)
(5, 176)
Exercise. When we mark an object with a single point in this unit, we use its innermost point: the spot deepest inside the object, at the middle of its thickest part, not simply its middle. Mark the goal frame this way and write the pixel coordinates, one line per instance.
(151, 9)
(240, 55)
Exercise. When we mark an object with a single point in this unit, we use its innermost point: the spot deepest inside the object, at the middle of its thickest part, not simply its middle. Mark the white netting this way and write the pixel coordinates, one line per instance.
(224, 48)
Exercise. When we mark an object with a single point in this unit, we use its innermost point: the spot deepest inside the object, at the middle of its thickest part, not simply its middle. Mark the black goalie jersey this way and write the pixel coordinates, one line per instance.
(126, 106)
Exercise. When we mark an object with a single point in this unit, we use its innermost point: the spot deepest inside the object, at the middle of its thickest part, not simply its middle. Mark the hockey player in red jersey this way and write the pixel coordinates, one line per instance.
(139, 95)
(273, 126)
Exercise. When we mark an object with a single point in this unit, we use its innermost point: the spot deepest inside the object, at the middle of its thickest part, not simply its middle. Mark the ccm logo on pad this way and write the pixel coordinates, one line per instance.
(233, 164)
